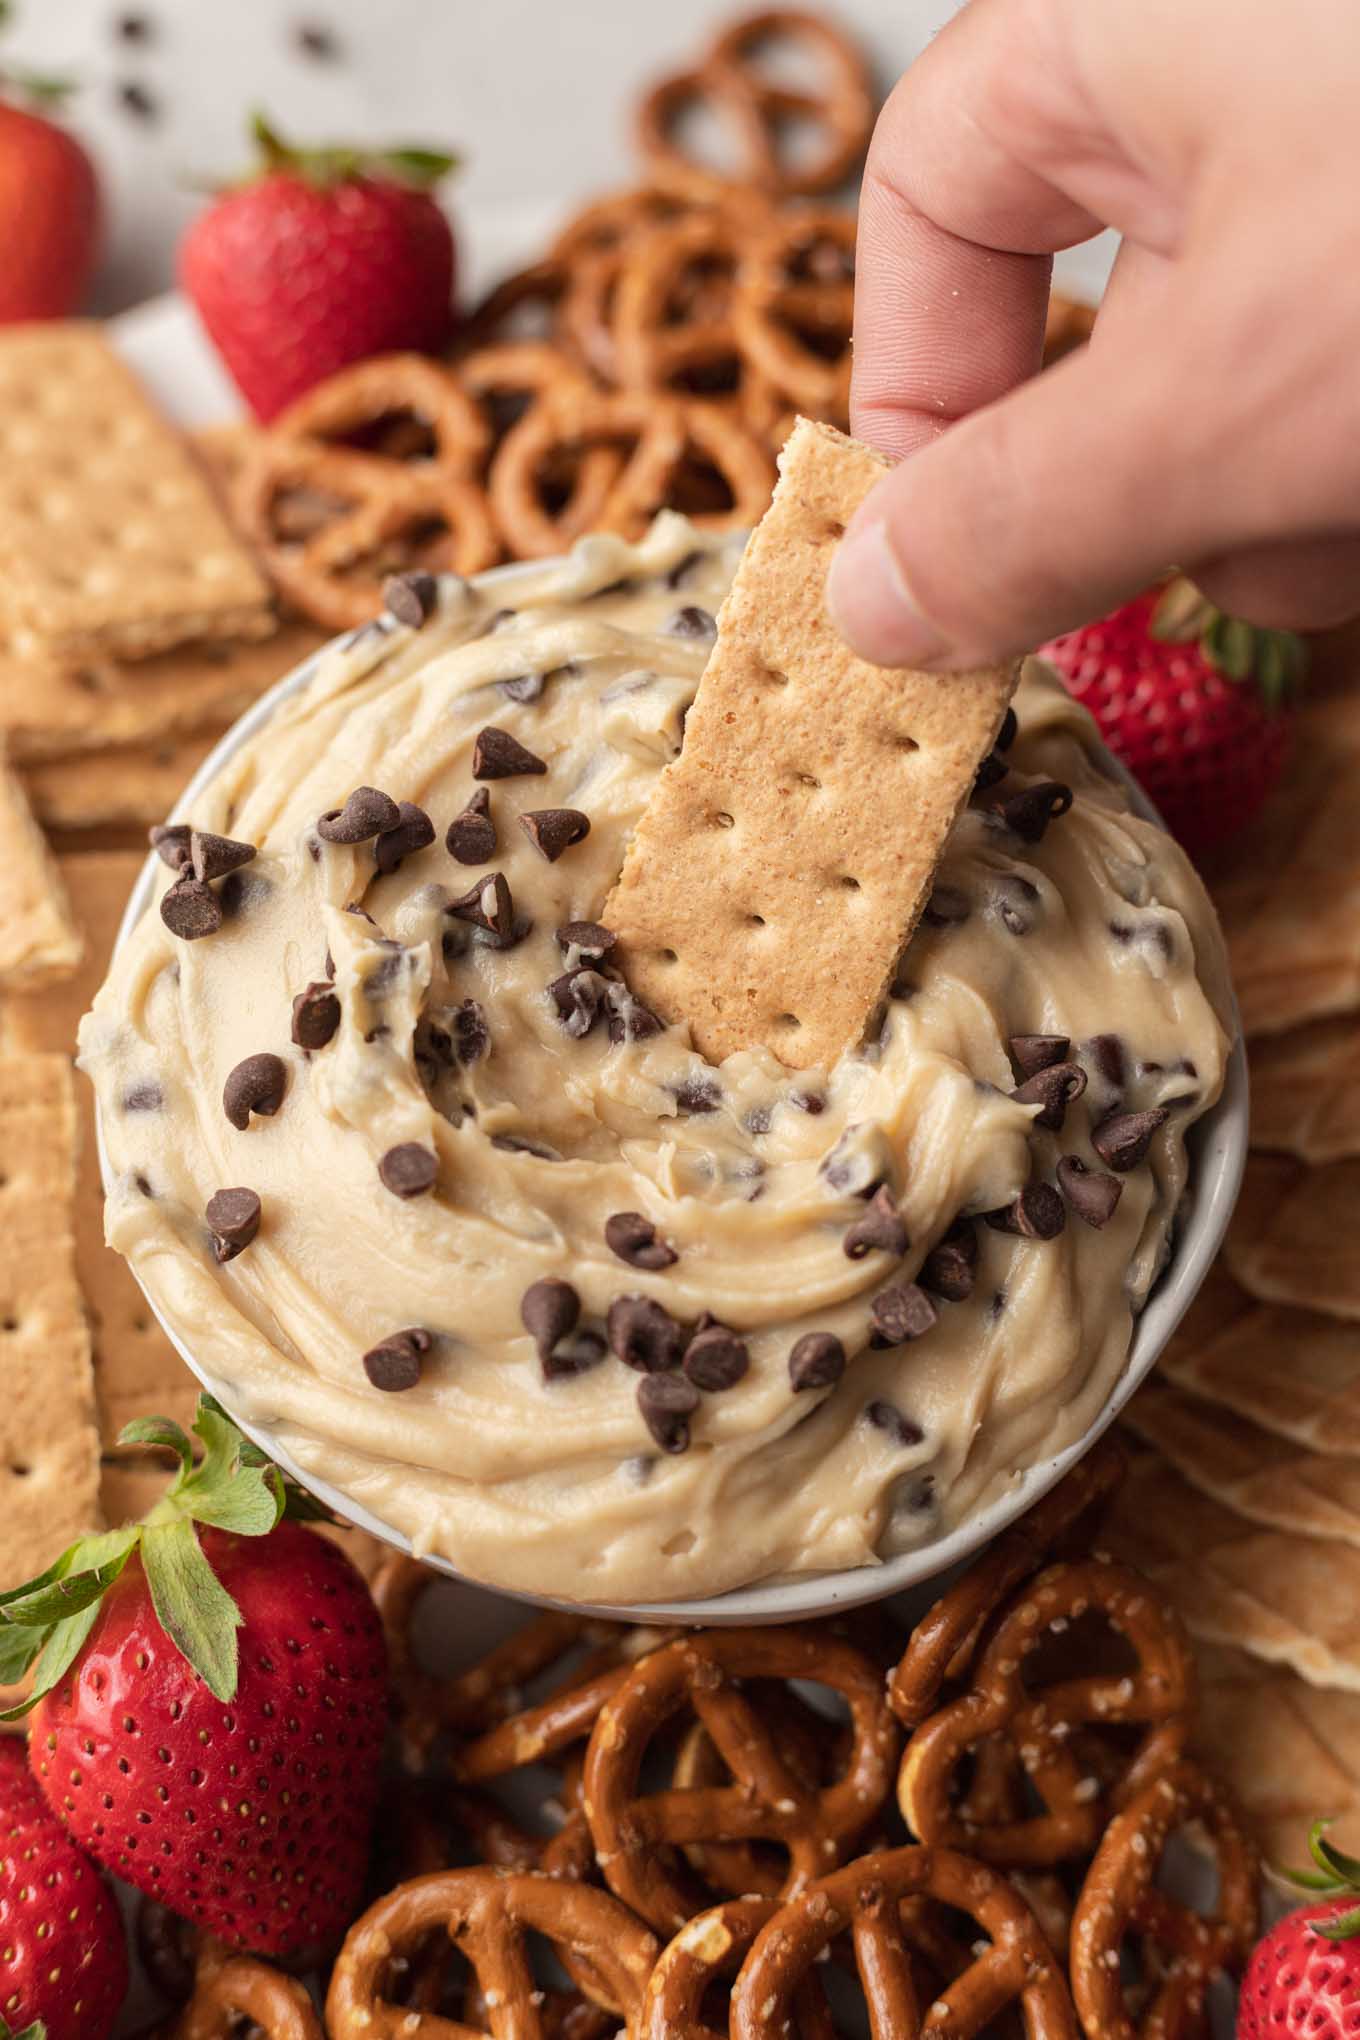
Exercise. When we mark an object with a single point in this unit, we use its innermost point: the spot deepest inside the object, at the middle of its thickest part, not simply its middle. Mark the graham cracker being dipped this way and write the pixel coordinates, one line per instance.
(39, 939)
(786, 854)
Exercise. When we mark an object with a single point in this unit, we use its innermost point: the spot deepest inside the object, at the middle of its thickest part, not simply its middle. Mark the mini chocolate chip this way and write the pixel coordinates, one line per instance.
(191, 910)
(811, 1102)
(520, 1144)
(992, 769)
(498, 755)
(1091, 1193)
(414, 831)
(1122, 1140)
(394, 1363)
(579, 997)
(255, 1085)
(471, 835)
(142, 1098)
(576, 1356)
(1038, 1213)
(1009, 731)
(171, 844)
(1028, 813)
(1031, 1053)
(1016, 902)
(365, 814)
(411, 598)
(682, 570)
(698, 1094)
(692, 621)
(488, 904)
(409, 1169)
(716, 1358)
(947, 1270)
(946, 907)
(629, 1019)
(523, 687)
(636, 1240)
(548, 1310)
(1053, 1089)
(644, 1334)
(759, 1119)
(885, 1416)
(816, 1361)
(555, 829)
(234, 1219)
(879, 1230)
(667, 1402)
(591, 938)
(1107, 1053)
(316, 1015)
(901, 1313)
(214, 856)
(471, 1034)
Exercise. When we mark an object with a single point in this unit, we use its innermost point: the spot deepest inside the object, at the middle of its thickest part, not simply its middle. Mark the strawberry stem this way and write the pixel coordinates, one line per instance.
(411, 164)
(1275, 659)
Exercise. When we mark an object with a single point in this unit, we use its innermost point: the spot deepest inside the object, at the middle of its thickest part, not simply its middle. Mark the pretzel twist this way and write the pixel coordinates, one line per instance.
(231, 1988)
(794, 309)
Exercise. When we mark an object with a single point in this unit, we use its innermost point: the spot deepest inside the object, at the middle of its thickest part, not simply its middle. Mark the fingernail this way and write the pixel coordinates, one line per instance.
(872, 605)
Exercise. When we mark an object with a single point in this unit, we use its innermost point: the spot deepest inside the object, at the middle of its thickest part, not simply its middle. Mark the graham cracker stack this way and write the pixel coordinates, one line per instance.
(39, 939)
(785, 856)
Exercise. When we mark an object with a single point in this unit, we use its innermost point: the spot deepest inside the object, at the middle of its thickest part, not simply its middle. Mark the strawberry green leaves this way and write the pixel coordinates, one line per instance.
(37, 2031)
(233, 1487)
(1337, 1875)
(1275, 659)
(416, 167)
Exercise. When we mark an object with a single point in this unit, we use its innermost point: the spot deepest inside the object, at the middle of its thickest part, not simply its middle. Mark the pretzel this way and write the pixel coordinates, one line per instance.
(767, 1800)
(568, 1714)
(1038, 1723)
(523, 306)
(231, 1988)
(672, 319)
(1181, 1952)
(669, 446)
(394, 406)
(756, 112)
(944, 1640)
(865, 1900)
(485, 1914)
(795, 308)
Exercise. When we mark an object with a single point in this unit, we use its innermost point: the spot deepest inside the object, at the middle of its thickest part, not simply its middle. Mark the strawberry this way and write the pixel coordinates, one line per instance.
(63, 1958)
(1167, 679)
(1304, 1976)
(211, 1698)
(49, 211)
(326, 257)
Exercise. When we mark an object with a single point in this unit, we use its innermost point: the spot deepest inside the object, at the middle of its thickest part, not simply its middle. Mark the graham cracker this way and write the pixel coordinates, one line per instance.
(1293, 1235)
(1284, 1599)
(49, 1447)
(39, 939)
(222, 452)
(134, 783)
(1289, 1751)
(53, 709)
(1310, 1494)
(1293, 1373)
(113, 541)
(784, 856)
(1305, 1091)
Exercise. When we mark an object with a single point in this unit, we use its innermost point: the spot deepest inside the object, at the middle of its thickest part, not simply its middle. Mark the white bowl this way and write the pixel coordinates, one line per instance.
(1218, 1147)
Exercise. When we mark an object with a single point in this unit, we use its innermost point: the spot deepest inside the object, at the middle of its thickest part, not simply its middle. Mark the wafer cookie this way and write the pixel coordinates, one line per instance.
(1305, 1091)
(1288, 1750)
(1292, 1239)
(39, 939)
(1294, 1373)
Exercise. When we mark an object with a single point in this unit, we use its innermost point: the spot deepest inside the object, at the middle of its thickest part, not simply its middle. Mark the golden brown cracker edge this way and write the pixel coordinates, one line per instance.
(39, 938)
(785, 856)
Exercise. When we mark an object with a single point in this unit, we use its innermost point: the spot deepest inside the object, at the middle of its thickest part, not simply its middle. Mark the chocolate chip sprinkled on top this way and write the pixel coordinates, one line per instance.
(214, 856)
(885, 1416)
(591, 938)
(147, 1097)
(1038, 1213)
(636, 1240)
(471, 1033)
(579, 998)
(548, 1310)
(1017, 902)
(629, 1019)
(171, 844)
(1031, 1053)
(901, 1313)
(365, 814)
(948, 1268)
(409, 1169)
(316, 1015)
(692, 622)
(667, 1402)
(1122, 1140)
(1009, 731)
(716, 1359)
(816, 1361)
(553, 830)
(1091, 1193)
(234, 1219)
(471, 835)
(498, 755)
(698, 1094)
(413, 831)
(255, 1085)
(394, 1363)
(191, 910)
(488, 904)
(1028, 813)
(1053, 1089)
(992, 769)
(411, 598)
(644, 1334)
(879, 1230)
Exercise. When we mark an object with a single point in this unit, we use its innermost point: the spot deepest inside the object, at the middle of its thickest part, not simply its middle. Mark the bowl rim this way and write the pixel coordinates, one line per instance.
(1218, 1143)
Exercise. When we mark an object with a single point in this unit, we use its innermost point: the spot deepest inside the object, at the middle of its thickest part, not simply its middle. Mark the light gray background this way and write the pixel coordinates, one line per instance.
(534, 93)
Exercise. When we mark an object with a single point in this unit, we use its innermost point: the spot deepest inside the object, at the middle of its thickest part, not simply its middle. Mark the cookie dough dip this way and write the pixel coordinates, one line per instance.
(447, 1208)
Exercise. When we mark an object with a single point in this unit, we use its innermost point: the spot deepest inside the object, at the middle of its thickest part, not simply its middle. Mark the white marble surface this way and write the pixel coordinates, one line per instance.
(534, 93)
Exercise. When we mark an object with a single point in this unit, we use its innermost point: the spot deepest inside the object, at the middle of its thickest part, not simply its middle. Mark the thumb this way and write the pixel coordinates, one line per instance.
(1028, 517)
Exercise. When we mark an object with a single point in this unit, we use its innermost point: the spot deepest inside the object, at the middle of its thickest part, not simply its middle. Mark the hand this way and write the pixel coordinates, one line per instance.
(1213, 422)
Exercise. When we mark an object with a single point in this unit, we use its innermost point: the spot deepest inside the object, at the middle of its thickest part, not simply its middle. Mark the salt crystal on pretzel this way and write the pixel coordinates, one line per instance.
(785, 856)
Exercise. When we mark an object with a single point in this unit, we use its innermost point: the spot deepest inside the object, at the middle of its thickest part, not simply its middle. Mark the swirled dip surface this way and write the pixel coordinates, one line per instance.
(540, 1115)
